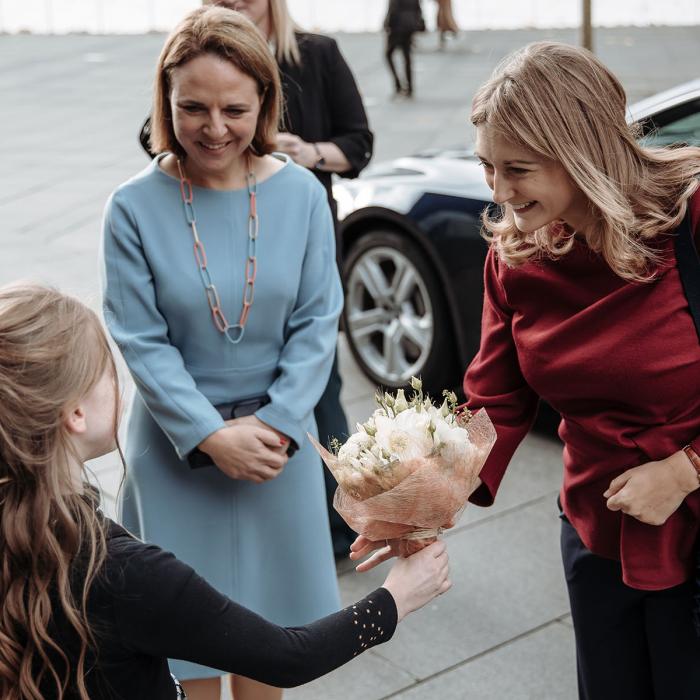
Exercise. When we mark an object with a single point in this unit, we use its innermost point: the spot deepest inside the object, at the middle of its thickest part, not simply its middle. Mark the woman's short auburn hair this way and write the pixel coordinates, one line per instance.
(232, 37)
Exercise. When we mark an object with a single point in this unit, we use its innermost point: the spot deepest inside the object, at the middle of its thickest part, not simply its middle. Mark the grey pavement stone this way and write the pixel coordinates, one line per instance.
(369, 677)
(566, 620)
(540, 665)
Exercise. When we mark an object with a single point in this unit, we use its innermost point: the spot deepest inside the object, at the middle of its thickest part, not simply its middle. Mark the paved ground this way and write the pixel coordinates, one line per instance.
(71, 109)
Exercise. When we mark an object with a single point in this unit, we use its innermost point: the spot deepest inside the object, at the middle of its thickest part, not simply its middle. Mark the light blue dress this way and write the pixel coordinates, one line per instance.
(267, 545)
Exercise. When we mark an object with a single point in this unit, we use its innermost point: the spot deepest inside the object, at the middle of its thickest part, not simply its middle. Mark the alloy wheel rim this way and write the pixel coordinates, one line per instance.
(389, 315)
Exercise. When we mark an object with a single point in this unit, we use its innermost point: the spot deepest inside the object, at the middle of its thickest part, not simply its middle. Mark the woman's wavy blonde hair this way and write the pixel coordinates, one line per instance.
(562, 103)
(234, 38)
(52, 353)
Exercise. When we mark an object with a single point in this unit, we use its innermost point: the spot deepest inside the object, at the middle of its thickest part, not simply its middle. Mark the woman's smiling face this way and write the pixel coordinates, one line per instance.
(215, 108)
(538, 191)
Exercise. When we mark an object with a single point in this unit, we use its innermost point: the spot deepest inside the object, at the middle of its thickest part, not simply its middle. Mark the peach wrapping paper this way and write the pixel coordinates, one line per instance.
(426, 493)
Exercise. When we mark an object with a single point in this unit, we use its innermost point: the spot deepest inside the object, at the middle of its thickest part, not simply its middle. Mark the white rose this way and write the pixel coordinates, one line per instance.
(452, 441)
(356, 464)
(413, 422)
(348, 451)
(406, 436)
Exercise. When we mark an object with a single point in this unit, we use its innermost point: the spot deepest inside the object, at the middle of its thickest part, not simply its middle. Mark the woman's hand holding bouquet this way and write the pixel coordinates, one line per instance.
(408, 471)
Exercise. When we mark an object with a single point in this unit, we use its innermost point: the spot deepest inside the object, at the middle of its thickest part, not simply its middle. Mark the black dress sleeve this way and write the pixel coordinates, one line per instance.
(164, 609)
(349, 126)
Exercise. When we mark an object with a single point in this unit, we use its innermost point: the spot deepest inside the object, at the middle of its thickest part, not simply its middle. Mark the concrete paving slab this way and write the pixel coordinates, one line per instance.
(367, 677)
(540, 665)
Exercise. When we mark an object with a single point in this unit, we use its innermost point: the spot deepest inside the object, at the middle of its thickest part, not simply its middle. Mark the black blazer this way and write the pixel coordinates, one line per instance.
(322, 103)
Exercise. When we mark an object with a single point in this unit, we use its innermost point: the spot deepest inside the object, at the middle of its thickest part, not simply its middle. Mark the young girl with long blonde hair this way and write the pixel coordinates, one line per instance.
(88, 610)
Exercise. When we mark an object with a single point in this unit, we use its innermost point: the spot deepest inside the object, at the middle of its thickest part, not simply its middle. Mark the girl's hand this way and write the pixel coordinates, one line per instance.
(418, 579)
(245, 451)
(653, 491)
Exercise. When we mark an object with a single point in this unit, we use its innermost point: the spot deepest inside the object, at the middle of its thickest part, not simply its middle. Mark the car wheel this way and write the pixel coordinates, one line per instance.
(396, 318)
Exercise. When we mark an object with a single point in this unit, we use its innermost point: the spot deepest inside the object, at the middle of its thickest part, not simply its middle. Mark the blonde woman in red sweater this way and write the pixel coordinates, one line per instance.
(584, 307)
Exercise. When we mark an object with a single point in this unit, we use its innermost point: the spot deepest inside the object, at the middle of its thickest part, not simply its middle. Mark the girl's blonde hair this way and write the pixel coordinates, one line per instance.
(234, 38)
(562, 103)
(52, 353)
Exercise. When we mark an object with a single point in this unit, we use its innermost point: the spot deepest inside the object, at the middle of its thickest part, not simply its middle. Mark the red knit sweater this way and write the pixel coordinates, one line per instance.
(621, 362)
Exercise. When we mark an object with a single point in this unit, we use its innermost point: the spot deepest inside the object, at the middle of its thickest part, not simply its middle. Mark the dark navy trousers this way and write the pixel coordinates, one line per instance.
(630, 644)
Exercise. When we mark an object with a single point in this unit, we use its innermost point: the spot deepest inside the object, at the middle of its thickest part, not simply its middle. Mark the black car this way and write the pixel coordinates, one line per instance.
(414, 254)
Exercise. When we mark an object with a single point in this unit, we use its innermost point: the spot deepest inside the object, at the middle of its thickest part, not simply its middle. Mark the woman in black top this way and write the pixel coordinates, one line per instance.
(88, 610)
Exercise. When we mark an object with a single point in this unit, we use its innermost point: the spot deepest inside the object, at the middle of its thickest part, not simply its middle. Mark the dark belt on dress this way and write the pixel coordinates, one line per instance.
(246, 407)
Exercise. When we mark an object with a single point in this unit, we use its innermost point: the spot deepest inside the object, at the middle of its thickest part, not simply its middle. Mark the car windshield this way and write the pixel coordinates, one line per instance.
(680, 128)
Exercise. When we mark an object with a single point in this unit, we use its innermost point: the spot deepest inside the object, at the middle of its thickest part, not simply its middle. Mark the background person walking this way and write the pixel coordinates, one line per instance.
(403, 19)
(446, 23)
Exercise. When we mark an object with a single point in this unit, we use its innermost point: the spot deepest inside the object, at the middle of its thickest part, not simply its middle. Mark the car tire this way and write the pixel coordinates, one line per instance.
(396, 318)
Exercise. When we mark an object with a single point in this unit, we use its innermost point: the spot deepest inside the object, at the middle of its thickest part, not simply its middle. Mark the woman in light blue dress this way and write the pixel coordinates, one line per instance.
(212, 224)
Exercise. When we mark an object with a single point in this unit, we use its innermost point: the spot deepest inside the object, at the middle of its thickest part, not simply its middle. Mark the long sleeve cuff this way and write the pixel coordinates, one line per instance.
(283, 422)
(374, 619)
(194, 436)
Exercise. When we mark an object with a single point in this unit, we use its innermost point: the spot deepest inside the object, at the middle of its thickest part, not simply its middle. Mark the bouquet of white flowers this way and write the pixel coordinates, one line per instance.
(410, 468)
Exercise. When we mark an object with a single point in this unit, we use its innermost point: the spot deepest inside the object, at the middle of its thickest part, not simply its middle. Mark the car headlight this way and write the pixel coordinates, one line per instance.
(344, 200)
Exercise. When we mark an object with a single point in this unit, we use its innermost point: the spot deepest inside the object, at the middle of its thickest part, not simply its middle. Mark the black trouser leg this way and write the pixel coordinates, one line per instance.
(391, 46)
(331, 422)
(631, 644)
(406, 47)
(674, 646)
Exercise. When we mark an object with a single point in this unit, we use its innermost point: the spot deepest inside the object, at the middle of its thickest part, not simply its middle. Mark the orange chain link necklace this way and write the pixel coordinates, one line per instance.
(232, 332)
